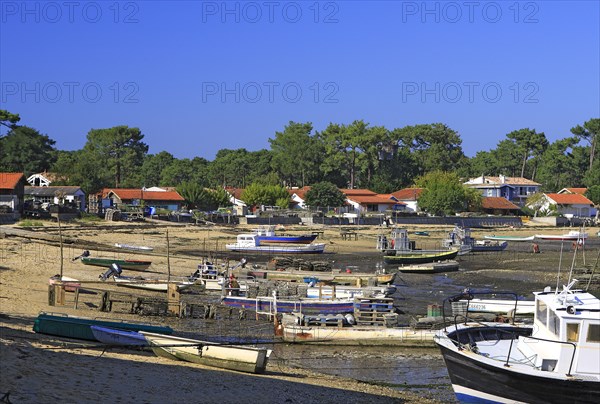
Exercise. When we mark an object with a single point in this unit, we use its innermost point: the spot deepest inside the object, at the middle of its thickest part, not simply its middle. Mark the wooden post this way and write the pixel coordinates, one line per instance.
(51, 295)
(61, 245)
(60, 295)
(168, 260)
(76, 298)
(173, 304)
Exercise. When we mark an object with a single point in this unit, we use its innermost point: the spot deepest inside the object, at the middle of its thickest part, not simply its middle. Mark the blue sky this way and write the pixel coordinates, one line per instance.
(197, 77)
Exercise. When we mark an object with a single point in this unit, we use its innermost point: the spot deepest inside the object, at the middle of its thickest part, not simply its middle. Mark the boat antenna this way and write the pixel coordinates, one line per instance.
(559, 266)
(573, 261)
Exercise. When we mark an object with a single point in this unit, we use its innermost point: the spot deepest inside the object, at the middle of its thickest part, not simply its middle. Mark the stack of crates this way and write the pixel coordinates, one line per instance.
(373, 311)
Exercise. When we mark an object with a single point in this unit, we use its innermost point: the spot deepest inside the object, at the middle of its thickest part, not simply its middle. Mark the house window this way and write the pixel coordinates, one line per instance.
(572, 332)
(593, 334)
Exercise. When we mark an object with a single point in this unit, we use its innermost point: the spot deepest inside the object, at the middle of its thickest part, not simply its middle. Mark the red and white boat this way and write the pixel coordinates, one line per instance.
(572, 235)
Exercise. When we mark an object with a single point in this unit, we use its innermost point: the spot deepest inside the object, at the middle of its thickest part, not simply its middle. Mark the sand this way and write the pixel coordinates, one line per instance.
(38, 368)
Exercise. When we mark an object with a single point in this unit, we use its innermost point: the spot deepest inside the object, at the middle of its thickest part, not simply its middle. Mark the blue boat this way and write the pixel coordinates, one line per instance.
(267, 304)
(266, 235)
(112, 336)
(80, 327)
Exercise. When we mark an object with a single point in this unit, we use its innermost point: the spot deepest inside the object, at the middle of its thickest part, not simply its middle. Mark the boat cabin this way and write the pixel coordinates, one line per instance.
(567, 333)
(247, 240)
(397, 241)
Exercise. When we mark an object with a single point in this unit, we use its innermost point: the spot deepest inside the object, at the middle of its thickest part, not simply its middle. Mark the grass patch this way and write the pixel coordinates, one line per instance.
(90, 218)
(30, 223)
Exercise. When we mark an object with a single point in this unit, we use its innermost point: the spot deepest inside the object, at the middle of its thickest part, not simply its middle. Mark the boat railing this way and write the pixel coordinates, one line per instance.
(572, 344)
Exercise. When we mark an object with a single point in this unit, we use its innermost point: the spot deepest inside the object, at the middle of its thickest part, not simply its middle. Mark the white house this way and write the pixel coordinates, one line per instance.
(409, 197)
(567, 204)
(364, 200)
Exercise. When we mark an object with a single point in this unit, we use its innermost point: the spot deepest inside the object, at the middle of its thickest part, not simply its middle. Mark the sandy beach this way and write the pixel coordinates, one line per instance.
(41, 368)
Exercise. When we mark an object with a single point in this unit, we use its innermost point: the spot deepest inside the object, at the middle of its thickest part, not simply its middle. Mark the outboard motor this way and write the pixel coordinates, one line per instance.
(114, 270)
(84, 254)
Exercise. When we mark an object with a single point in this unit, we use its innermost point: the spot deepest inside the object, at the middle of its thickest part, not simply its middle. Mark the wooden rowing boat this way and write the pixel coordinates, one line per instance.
(80, 327)
(234, 357)
(112, 336)
(124, 264)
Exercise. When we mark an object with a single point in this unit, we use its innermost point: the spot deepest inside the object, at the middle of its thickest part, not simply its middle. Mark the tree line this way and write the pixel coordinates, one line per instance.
(354, 155)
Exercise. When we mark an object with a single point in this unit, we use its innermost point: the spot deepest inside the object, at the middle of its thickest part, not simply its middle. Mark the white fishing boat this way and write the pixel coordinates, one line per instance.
(251, 243)
(555, 360)
(348, 292)
(234, 357)
(573, 235)
(509, 238)
(159, 284)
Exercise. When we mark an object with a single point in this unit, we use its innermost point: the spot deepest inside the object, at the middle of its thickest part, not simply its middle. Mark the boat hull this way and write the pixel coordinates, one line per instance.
(338, 277)
(509, 238)
(124, 264)
(307, 306)
(111, 336)
(477, 382)
(286, 239)
(489, 246)
(243, 359)
(415, 257)
(79, 327)
(358, 336)
(430, 268)
(278, 249)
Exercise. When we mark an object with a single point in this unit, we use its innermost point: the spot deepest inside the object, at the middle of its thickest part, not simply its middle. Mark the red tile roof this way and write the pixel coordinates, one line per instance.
(363, 192)
(580, 191)
(570, 199)
(498, 203)
(301, 192)
(10, 180)
(372, 200)
(408, 194)
(128, 194)
(235, 192)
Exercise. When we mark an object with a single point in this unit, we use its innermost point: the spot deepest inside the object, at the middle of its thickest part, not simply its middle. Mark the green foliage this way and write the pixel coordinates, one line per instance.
(529, 143)
(558, 167)
(296, 155)
(185, 170)
(153, 167)
(8, 119)
(444, 194)
(283, 203)
(325, 194)
(118, 151)
(30, 223)
(258, 194)
(90, 218)
(197, 197)
(25, 150)
(593, 194)
(592, 177)
(589, 132)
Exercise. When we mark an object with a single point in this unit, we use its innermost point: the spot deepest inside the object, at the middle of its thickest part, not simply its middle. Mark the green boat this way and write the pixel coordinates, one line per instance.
(419, 257)
(124, 264)
(79, 327)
